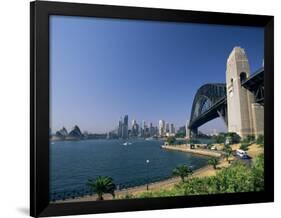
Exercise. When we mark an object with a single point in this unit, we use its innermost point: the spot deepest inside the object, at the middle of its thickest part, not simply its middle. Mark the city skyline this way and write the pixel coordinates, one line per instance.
(149, 70)
(116, 127)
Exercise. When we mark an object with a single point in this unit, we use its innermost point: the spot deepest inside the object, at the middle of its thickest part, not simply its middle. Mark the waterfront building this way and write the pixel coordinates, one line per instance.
(62, 132)
(74, 134)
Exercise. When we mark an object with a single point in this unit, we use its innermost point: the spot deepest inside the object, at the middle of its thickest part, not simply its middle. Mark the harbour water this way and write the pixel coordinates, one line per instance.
(72, 163)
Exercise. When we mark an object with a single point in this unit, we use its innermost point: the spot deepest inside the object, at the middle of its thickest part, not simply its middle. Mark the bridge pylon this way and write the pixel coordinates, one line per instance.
(241, 108)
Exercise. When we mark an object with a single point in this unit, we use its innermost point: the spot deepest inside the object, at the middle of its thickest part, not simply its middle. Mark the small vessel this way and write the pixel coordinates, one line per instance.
(149, 139)
(125, 143)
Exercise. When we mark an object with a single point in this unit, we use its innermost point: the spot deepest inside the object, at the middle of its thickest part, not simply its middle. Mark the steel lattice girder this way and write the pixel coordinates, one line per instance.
(206, 102)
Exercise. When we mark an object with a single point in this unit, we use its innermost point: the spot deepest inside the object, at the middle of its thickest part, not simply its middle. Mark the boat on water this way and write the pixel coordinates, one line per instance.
(127, 143)
(149, 139)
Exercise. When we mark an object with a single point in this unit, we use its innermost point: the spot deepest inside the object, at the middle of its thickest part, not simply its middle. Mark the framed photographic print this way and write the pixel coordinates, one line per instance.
(142, 109)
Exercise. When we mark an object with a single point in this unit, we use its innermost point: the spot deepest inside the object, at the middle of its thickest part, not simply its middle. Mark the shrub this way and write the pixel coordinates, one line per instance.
(239, 177)
(180, 135)
(171, 140)
(209, 146)
(127, 196)
(260, 140)
(234, 137)
(249, 139)
(193, 141)
(244, 146)
(220, 138)
(258, 173)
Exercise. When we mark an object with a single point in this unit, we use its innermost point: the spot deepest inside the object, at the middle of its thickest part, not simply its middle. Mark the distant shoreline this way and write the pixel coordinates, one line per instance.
(53, 139)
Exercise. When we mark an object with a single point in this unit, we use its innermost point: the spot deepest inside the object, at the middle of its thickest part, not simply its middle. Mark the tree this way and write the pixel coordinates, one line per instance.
(244, 146)
(182, 171)
(234, 137)
(239, 177)
(258, 173)
(214, 162)
(171, 140)
(220, 138)
(260, 140)
(180, 135)
(227, 154)
(102, 185)
(249, 139)
(193, 141)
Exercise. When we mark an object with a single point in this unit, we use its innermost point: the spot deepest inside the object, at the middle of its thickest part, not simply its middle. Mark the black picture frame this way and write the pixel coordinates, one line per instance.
(39, 107)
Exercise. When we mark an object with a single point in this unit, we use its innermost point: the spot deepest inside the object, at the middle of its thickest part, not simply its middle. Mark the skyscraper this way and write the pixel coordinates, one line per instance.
(161, 127)
(172, 129)
(143, 128)
(151, 130)
(134, 122)
(135, 128)
(167, 128)
(120, 128)
(125, 128)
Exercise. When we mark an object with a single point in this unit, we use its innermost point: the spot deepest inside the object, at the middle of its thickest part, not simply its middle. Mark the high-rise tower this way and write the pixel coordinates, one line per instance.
(161, 128)
(125, 128)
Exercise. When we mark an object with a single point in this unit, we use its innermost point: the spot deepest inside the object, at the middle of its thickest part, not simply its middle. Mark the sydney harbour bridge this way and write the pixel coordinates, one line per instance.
(215, 99)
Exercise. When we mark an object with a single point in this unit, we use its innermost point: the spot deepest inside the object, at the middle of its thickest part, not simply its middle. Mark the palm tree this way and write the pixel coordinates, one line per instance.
(102, 185)
(214, 162)
(182, 171)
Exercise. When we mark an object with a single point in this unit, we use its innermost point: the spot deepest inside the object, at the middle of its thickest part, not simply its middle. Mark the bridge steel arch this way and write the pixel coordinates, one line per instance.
(209, 103)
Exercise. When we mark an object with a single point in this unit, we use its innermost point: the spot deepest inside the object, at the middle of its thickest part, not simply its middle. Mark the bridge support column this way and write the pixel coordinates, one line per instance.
(223, 114)
(193, 133)
(239, 99)
(258, 119)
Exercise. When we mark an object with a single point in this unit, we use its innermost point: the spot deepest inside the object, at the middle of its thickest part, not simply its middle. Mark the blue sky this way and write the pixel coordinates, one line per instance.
(102, 69)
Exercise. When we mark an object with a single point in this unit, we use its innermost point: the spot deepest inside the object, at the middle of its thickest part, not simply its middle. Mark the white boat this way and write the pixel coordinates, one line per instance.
(125, 143)
(149, 139)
